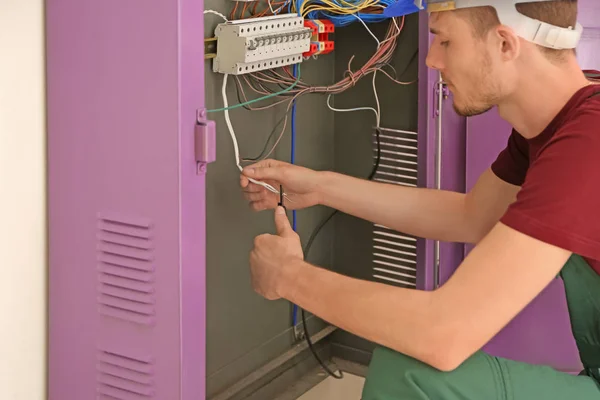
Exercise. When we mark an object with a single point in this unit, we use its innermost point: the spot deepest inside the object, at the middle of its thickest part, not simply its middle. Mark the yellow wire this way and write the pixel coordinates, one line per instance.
(308, 6)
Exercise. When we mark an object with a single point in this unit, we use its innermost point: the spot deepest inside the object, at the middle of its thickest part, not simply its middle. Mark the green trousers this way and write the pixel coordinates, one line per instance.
(394, 376)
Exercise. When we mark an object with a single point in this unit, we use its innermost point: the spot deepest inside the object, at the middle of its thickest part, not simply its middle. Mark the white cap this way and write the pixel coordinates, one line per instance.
(530, 29)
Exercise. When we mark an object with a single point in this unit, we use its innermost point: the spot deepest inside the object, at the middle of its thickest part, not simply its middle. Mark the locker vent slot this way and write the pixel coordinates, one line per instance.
(124, 377)
(394, 253)
(126, 269)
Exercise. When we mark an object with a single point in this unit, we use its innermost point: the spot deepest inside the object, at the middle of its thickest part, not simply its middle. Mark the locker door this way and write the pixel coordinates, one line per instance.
(441, 154)
(587, 53)
(126, 200)
(544, 324)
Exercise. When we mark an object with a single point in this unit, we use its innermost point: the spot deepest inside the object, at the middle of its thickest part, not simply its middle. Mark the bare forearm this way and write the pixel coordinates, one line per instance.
(432, 214)
(400, 319)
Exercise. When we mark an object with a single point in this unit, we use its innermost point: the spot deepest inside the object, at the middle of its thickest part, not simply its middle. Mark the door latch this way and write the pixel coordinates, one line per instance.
(205, 142)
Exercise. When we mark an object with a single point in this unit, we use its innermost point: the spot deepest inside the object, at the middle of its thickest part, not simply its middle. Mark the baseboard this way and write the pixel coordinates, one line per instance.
(232, 373)
(350, 367)
(281, 373)
(351, 354)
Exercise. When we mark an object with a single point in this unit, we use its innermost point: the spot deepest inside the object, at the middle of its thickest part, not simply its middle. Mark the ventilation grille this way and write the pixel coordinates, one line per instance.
(394, 253)
(126, 269)
(124, 377)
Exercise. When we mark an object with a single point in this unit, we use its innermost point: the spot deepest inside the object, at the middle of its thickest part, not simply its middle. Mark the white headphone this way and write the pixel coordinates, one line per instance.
(530, 29)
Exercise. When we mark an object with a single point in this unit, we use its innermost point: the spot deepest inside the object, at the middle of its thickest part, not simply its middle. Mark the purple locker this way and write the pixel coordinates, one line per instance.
(441, 165)
(126, 200)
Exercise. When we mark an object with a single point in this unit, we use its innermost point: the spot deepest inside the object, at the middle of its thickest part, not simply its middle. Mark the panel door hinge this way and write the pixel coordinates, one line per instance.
(205, 145)
(438, 101)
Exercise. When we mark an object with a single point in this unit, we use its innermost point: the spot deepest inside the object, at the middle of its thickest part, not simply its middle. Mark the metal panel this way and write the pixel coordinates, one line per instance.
(395, 254)
(126, 206)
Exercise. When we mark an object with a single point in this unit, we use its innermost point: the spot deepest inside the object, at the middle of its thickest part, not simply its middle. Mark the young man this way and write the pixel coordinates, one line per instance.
(534, 215)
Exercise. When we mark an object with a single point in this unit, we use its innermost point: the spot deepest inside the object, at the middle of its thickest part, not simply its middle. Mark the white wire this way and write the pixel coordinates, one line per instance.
(236, 148)
(368, 30)
(378, 110)
(275, 12)
(376, 99)
(396, 23)
(350, 109)
(218, 14)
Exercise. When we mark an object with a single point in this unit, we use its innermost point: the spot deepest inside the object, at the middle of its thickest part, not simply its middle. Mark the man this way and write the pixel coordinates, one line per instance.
(534, 215)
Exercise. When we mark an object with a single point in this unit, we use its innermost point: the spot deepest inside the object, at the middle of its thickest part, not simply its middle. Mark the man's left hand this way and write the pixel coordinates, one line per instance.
(273, 253)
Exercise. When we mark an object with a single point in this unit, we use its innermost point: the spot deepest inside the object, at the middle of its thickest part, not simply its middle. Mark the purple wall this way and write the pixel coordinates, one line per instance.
(126, 207)
(541, 334)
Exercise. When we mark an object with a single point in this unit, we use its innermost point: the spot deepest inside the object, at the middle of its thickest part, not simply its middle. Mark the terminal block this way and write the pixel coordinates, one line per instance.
(256, 44)
(320, 42)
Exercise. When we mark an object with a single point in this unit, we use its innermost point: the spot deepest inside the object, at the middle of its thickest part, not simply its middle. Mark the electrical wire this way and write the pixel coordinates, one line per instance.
(376, 111)
(318, 229)
(342, 12)
(368, 30)
(308, 247)
(218, 14)
(234, 139)
(351, 109)
(227, 107)
(291, 87)
(293, 143)
(378, 61)
(262, 155)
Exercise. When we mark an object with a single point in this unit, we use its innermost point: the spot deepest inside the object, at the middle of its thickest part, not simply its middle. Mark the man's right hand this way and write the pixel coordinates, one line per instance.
(301, 185)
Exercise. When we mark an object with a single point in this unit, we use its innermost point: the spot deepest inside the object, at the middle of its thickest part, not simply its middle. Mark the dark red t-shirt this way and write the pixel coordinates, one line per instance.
(559, 171)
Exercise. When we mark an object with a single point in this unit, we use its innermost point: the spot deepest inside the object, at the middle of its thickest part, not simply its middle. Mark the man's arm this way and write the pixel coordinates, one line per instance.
(505, 272)
(428, 213)
(432, 214)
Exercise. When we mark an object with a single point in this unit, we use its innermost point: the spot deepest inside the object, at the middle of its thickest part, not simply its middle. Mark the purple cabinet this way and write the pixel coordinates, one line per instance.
(126, 203)
(442, 165)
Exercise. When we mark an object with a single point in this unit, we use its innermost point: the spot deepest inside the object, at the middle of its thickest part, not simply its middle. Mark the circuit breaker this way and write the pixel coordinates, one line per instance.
(257, 44)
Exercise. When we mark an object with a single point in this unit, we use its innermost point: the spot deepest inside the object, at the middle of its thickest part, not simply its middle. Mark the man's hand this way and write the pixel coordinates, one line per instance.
(273, 253)
(301, 185)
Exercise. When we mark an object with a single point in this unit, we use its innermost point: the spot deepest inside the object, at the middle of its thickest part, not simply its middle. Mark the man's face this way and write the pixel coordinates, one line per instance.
(466, 63)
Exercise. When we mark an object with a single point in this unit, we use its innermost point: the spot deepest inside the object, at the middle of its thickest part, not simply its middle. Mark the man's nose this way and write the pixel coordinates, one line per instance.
(433, 61)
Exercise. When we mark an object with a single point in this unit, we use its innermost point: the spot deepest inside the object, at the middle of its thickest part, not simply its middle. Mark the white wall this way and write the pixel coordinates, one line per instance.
(22, 202)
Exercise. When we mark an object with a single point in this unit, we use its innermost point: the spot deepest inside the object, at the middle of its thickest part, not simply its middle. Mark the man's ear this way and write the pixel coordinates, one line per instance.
(510, 43)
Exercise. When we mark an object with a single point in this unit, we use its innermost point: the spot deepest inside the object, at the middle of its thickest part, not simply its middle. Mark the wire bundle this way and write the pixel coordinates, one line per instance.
(340, 12)
(343, 12)
(291, 88)
(284, 78)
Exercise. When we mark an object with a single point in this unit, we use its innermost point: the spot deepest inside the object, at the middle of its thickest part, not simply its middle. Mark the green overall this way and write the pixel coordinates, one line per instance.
(393, 376)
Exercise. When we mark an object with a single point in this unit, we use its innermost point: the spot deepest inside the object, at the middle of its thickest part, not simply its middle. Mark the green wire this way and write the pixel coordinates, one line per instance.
(260, 98)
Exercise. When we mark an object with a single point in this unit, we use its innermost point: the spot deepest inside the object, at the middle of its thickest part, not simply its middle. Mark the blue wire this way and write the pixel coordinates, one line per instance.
(293, 161)
(293, 154)
(343, 20)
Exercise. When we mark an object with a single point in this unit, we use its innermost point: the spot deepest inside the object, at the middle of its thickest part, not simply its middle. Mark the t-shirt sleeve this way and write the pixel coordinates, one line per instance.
(559, 202)
(512, 163)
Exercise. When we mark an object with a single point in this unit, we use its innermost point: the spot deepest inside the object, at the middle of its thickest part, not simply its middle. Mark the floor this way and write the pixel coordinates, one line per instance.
(349, 388)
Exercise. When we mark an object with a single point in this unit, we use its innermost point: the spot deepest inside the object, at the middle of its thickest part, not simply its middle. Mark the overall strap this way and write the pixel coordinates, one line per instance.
(582, 287)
